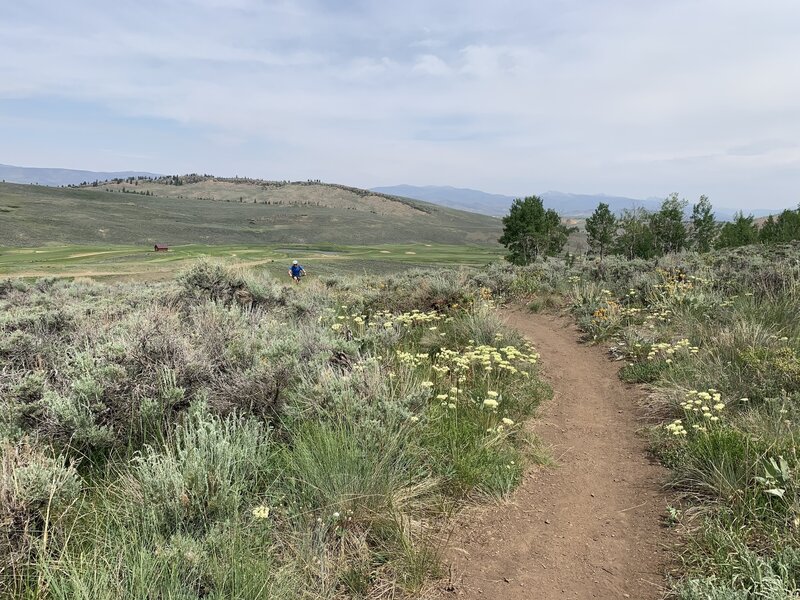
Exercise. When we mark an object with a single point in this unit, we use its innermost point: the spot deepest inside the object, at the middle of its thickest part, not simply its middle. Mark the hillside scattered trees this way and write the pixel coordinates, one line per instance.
(530, 231)
(783, 229)
(638, 233)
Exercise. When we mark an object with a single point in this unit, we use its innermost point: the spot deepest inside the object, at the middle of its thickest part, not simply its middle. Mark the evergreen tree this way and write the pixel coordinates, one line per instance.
(667, 226)
(635, 238)
(704, 225)
(787, 226)
(530, 231)
(769, 232)
(741, 232)
(601, 230)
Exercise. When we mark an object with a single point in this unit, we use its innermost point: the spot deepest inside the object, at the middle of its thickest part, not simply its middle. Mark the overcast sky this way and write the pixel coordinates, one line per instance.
(625, 97)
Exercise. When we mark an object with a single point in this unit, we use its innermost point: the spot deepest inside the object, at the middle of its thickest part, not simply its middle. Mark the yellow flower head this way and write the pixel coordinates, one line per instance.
(261, 512)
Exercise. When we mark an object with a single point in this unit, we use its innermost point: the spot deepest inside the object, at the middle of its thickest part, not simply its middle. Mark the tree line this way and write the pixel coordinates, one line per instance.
(531, 231)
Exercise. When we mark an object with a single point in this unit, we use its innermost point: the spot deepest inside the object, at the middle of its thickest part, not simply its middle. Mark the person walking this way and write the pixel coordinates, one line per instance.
(296, 271)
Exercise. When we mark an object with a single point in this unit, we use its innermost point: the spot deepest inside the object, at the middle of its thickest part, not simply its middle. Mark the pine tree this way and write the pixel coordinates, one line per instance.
(769, 233)
(601, 230)
(530, 231)
(741, 232)
(788, 226)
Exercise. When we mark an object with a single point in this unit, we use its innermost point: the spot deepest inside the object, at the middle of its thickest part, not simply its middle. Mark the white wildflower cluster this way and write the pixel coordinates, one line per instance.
(508, 359)
(667, 350)
(410, 319)
(492, 402)
(261, 512)
(448, 400)
(358, 322)
(707, 404)
(662, 316)
(411, 359)
(676, 428)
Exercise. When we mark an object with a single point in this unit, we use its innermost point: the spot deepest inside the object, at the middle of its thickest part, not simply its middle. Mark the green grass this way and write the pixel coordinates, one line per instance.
(142, 263)
(643, 372)
(37, 215)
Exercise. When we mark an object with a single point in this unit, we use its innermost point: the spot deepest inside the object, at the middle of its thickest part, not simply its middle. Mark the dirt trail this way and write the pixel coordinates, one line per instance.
(590, 527)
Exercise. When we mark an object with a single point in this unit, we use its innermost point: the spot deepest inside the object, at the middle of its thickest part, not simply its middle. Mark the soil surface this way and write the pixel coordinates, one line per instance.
(588, 527)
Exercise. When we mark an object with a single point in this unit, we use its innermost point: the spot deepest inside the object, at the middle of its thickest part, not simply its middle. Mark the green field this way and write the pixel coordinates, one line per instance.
(32, 216)
(142, 263)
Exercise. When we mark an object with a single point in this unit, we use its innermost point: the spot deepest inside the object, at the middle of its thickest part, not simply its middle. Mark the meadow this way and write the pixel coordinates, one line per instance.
(141, 263)
(715, 338)
(226, 434)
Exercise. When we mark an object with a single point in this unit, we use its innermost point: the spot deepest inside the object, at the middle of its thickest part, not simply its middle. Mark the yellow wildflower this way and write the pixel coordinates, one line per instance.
(261, 512)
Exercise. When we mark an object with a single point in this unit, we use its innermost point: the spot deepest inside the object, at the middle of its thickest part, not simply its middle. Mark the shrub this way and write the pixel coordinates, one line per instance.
(36, 491)
(204, 474)
(219, 283)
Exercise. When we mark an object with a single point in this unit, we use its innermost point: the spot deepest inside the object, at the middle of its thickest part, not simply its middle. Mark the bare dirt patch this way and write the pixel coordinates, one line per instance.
(589, 527)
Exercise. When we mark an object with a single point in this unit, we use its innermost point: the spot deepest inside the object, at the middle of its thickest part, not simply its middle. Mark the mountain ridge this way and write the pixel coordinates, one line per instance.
(57, 177)
(566, 204)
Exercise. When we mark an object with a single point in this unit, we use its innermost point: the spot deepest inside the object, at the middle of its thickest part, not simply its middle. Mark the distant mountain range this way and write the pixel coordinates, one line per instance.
(452, 197)
(57, 177)
(567, 205)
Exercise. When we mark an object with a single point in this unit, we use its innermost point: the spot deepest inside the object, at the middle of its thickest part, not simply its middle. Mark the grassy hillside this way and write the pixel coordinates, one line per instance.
(212, 212)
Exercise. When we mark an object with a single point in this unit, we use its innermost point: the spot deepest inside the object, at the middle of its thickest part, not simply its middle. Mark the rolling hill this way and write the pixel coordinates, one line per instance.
(207, 210)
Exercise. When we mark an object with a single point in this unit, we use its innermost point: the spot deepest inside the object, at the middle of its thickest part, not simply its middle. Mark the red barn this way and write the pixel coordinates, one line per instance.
(160, 248)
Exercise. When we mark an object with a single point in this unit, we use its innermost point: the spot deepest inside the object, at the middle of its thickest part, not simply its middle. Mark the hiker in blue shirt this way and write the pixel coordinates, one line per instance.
(296, 271)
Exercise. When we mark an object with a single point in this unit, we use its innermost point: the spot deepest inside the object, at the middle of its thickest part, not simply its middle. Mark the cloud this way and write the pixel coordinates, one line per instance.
(430, 64)
(762, 147)
(626, 97)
